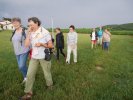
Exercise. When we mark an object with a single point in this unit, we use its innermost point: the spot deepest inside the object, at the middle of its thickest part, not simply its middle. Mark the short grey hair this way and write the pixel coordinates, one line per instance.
(16, 19)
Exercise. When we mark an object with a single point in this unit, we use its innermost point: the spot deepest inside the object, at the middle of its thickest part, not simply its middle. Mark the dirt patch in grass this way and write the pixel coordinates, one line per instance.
(99, 67)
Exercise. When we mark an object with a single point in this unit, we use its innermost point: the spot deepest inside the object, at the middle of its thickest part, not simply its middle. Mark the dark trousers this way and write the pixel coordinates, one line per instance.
(105, 45)
(60, 50)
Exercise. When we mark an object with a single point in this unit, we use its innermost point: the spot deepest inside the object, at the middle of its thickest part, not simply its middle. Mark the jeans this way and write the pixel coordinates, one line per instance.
(105, 45)
(22, 59)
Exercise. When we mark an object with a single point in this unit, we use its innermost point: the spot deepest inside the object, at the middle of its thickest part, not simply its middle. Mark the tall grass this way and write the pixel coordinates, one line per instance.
(98, 75)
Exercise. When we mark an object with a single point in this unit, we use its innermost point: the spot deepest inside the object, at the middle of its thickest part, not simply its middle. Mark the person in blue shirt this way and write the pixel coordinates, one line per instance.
(100, 34)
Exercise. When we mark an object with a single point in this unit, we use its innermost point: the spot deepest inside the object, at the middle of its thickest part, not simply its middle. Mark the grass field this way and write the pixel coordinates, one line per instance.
(98, 75)
(88, 31)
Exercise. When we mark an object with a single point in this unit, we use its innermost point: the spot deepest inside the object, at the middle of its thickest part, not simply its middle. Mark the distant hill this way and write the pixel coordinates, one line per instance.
(117, 29)
(128, 26)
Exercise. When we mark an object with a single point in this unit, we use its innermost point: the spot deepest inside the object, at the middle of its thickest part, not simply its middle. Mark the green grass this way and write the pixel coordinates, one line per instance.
(79, 30)
(81, 81)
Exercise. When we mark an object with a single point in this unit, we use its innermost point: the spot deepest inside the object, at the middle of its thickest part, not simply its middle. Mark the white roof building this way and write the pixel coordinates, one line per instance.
(7, 25)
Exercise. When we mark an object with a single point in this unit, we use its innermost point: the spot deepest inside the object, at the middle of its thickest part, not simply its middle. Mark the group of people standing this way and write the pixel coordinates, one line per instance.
(101, 38)
(34, 41)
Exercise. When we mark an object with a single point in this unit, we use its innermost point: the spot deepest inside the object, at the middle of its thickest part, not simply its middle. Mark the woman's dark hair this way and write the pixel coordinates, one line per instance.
(35, 20)
(16, 19)
(58, 29)
(72, 26)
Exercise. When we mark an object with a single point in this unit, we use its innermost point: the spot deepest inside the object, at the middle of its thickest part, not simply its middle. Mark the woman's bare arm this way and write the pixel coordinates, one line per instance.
(46, 45)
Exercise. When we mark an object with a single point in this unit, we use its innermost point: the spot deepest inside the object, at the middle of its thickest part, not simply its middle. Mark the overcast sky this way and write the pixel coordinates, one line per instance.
(81, 13)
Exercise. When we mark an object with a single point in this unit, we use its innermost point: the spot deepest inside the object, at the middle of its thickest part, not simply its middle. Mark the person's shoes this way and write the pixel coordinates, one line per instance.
(27, 96)
(75, 62)
(24, 81)
(50, 87)
(67, 62)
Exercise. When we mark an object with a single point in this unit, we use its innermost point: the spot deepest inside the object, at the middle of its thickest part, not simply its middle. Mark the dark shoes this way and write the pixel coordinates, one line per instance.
(28, 96)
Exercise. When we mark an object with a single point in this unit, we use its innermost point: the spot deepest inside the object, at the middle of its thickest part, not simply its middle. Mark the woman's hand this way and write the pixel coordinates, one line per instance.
(38, 44)
(29, 30)
(41, 44)
(48, 45)
(27, 40)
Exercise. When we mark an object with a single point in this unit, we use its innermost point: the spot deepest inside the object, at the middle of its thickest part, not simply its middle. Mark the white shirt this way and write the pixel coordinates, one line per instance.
(93, 36)
(40, 36)
(72, 38)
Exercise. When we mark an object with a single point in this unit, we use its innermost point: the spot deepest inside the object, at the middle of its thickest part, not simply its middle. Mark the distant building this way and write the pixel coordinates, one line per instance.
(0, 27)
(6, 25)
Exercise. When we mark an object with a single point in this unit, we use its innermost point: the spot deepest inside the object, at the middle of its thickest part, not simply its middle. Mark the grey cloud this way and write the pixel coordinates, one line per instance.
(81, 13)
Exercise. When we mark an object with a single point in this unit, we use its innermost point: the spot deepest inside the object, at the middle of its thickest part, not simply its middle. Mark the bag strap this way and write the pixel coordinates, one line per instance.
(23, 35)
(12, 35)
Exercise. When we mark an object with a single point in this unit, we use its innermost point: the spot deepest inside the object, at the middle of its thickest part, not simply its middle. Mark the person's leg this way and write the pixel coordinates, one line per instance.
(68, 54)
(18, 57)
(23, 71)
(18, 60)
(23, 63)
(95, 43)
(33, 65)
(57, 53)
(91, 44)
(104, 45)
(46, 66)
(75, 53)
(61, 50)
(100, 40)
(107, 45)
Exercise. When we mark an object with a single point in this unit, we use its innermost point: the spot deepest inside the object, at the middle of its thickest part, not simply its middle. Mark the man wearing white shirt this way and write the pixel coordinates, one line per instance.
(72, 44)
